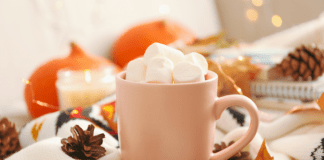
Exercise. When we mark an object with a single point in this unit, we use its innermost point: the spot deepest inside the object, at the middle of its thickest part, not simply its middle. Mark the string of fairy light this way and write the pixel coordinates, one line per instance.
(41, 103)
(88, 78)
(253, 15)
(107, 110)
(221, 59)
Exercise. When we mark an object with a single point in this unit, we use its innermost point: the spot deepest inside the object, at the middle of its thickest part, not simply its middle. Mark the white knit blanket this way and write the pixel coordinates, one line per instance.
(299, 135)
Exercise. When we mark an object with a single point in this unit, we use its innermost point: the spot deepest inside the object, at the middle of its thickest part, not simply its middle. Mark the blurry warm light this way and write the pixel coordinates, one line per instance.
(67, 73)
(276, 20)
(240, 58)
(25, 81)
(239, 90)
(164, 9)
(252, 15)
(257, 3)
(87, 75)
(75, 111)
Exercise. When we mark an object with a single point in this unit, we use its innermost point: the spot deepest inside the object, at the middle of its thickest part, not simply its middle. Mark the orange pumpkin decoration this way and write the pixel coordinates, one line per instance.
(134, 42)
(40, 93)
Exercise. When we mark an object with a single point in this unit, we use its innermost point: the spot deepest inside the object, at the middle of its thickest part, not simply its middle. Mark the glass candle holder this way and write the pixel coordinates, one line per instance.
(84, 88)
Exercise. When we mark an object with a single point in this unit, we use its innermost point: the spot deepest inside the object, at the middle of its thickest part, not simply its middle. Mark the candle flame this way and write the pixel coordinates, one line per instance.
(87, 75)
(67, 73)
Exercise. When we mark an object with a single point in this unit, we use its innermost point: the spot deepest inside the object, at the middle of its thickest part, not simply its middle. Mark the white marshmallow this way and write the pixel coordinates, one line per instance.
(161, 50)
(199, 60)
(159, 70)
(185, 72)
(136, 70)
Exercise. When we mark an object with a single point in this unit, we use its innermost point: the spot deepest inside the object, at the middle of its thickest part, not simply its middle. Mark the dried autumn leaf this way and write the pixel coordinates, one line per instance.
(234, 75)
(263, 153)
(108, 114)
(304, 108)
(320, 102)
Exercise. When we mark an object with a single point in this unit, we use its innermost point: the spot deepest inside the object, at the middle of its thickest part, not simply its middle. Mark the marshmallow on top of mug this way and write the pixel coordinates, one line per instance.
(159, 70)
(198, 60)
(161, 50)
(164, 64)
(136, 70)
(186, 72)
(193, 69)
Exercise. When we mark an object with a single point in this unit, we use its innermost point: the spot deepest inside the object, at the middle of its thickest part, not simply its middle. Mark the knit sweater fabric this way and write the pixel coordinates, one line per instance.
(299, 135)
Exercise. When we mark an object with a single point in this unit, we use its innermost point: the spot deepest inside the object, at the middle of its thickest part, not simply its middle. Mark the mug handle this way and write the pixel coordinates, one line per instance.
(231, 100)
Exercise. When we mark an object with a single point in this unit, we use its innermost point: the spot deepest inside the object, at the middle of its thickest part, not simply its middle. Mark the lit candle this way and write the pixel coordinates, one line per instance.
(84, 88)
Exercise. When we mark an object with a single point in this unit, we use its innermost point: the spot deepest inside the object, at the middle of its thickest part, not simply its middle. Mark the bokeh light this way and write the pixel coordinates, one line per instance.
(87, 75)
(252, 15)
(257, 3)
(75, 111)
(164, 9)
(276, 20)
(25, 81)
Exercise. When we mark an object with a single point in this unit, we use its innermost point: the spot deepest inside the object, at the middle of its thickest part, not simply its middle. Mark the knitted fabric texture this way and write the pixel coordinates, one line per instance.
(287, 136)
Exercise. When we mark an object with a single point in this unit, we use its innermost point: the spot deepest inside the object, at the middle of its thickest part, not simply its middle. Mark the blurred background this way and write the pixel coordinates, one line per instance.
(33, 32)
(249, 20)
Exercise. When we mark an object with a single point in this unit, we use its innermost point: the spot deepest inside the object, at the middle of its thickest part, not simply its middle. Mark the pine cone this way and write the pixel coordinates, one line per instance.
(9, 141)
(306, 62)
(83, 145)
(243, 155)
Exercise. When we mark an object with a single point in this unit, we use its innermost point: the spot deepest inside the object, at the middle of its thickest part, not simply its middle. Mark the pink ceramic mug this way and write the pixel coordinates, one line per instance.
(175, 121)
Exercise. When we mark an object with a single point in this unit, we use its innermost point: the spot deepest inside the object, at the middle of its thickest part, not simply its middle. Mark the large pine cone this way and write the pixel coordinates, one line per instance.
(242, 155)
(9, 141)
(84, 145)
(305, 63)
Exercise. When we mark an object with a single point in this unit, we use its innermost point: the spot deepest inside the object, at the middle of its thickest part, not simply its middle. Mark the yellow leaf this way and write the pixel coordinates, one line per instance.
(263, 153)
(107, 113)
(320, 102)
(35, 130)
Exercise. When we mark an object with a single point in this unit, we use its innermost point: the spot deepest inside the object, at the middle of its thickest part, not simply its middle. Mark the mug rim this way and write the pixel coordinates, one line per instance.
(213, 75)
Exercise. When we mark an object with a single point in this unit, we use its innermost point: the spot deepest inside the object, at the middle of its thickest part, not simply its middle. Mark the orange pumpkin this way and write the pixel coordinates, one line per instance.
(41, 95)
(134, 42)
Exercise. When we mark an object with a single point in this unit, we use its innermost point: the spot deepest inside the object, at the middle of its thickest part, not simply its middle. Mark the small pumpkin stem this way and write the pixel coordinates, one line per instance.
(72, 44)
(75, 49)
(164, 22)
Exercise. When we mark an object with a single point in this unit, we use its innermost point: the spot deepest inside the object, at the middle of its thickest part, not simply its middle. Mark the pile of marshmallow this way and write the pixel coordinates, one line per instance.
(164, 64)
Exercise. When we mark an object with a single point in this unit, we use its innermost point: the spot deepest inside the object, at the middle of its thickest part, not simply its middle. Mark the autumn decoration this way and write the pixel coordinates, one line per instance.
(263, 153)
(133, 42)
(9, 140)
(40, 91)
(83, 144)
